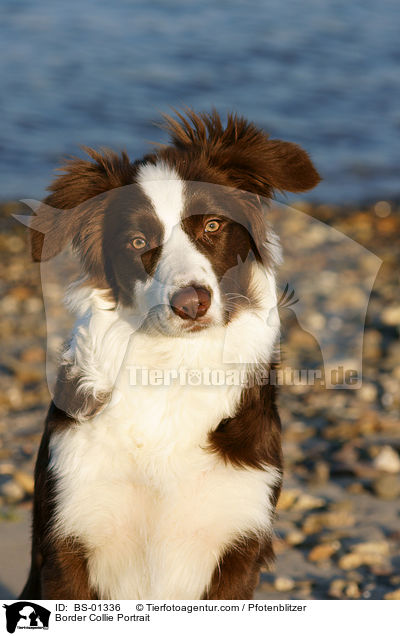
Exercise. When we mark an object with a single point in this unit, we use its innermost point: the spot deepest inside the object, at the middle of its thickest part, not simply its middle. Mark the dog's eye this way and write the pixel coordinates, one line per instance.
(212, 226)
(138, 242)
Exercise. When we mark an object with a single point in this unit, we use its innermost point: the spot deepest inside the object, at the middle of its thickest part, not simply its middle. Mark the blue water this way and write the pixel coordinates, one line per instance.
(323, 73)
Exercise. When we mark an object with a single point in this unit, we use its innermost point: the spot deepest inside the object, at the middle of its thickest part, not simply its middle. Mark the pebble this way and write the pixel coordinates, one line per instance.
(368, 392)
(308, 502)
(301, 339)
(15, 244)
(371, 553)
(382, 209)
(350, 296)
(387, 460)
(304, 589)
(317, 522)
(12, 492)
(372, 344)
(279, 545)
(321, 473)
(33, 355)
(352, 590)
(284, 584)
(15, 397)
(368, 423)
(351, 561)
(6, 468)
(387, 486)
(295, 537)
(323, 551)
(33, 305)
(356, 488)
(391, 316)
(9, 305)
(316, 321)
(336, 588)
(372, 547)
(392, 596)
(381, 569)
(316, 235)
(387, 400)
(299, 431)
(287, 499)
(25, 481)
(27, 374)
(20, 292)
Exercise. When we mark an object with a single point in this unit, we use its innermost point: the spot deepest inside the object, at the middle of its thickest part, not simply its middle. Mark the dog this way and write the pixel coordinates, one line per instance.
(164, 488)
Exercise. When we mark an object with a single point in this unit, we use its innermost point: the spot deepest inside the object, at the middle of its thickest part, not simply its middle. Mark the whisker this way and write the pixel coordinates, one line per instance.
(232, 295)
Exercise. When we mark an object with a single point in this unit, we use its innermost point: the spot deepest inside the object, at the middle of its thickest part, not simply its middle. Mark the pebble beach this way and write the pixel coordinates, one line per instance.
(337, 532)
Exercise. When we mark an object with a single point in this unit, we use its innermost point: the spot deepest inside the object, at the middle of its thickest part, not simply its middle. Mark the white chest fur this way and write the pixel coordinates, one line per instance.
(153, 508)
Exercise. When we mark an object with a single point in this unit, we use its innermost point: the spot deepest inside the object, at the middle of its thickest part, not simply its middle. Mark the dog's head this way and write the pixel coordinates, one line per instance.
(176, 236)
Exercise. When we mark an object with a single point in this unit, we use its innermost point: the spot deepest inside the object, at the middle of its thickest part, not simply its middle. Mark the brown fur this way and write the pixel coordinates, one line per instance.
(80, 182)
(242, 154)
(58, 569)
(253, 436)
(237, 575)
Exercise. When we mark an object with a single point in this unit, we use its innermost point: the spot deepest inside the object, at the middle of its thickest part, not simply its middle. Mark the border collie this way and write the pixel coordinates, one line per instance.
(164, 488)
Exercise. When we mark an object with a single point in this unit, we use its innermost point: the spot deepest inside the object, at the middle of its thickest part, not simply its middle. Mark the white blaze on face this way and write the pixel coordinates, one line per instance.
(165, 189)
(180, 264)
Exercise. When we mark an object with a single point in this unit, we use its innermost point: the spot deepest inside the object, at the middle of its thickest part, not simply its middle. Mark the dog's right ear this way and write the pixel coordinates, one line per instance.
(68, 213)
(242, 153)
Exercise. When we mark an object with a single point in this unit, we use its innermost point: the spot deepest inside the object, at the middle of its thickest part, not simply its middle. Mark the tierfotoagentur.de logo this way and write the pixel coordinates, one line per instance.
(26, 615)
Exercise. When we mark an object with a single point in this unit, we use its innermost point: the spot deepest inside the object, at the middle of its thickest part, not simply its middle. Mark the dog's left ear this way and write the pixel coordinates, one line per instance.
(74, 211)
(243, 153)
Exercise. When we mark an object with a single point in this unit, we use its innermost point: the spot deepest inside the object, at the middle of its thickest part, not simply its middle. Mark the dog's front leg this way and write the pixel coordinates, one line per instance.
(64, 573)
(237, 575)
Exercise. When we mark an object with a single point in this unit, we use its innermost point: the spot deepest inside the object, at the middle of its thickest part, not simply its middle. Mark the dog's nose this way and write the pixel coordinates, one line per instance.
(191, 302)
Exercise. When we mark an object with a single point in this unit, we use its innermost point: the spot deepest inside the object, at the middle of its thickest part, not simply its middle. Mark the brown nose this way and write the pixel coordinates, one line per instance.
(191, 302)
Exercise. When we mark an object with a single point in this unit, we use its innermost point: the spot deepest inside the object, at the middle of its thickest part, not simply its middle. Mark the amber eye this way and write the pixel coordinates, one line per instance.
(138, 242)
(212, 226)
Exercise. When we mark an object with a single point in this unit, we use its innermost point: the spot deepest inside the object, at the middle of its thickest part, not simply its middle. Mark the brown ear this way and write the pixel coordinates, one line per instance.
(243, 153)
(72, 212)
(286, 166)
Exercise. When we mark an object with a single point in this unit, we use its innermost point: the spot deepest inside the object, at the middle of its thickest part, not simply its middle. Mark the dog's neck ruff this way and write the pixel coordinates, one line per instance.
(107, 341)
